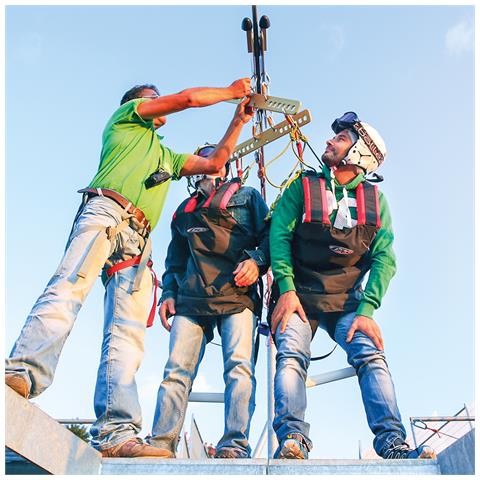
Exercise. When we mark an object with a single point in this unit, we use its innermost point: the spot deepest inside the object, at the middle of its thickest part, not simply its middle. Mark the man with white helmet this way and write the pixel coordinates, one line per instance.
(328, 231)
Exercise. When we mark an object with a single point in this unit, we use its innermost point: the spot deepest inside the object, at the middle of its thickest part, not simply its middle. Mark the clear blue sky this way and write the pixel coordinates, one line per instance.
(406, 70)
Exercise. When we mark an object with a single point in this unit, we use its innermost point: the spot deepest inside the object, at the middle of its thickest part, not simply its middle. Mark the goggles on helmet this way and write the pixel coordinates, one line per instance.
(345, 122)
(205, 150)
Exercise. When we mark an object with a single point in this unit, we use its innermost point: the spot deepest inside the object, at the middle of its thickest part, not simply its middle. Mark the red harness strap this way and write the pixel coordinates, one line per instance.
(308, 201)
(361, 215)
(135, 261)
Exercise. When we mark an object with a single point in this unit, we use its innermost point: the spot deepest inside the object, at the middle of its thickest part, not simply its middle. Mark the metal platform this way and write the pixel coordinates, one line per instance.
(40, 439)
(125, 466)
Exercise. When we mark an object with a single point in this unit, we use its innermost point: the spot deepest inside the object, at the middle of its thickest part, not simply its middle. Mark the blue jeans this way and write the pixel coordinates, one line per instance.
(36, 352)
(187, 346)
(376, 385)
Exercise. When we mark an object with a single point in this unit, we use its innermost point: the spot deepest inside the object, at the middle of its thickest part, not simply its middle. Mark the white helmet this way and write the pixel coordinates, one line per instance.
(369, 151)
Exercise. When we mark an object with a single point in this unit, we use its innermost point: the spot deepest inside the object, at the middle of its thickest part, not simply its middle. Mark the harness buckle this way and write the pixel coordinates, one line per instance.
(110, 231)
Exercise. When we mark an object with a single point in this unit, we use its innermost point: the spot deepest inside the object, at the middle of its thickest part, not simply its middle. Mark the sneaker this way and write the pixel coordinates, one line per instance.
(400, 450)
(136, 448)
(230, 453)
(292, 446)
(18, 383)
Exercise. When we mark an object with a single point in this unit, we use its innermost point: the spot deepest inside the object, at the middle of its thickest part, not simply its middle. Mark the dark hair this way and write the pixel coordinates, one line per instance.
(136, 92)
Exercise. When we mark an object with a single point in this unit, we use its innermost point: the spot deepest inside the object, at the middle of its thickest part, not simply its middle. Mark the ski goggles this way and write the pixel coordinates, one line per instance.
(205, 150)
(346, 121)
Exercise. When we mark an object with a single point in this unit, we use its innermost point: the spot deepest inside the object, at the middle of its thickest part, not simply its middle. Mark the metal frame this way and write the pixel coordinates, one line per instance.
(447, 420)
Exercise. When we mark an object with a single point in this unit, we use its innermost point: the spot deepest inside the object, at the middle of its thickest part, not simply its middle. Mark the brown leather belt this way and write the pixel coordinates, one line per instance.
(128, 206)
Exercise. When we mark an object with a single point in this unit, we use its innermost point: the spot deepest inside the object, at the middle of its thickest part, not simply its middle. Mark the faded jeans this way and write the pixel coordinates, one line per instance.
(376, 385)
(187, 347)
(36, 352)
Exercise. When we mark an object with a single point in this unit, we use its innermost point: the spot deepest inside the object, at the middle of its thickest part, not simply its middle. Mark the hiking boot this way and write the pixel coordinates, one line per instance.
(292, 446)
(18, 383)
(230, 453)
(400, 450)
(136, 448)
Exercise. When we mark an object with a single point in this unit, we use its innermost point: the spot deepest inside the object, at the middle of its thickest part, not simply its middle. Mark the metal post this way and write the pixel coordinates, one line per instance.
(468, 414)
(261, 442)
(271, 368)
(412, 427)
(256, 45)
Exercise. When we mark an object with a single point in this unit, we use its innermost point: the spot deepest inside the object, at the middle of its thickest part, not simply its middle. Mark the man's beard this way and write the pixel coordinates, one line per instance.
(330, 159)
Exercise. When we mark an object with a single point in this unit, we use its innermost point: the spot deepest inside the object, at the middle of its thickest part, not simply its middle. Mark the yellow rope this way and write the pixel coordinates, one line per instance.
(279, 155)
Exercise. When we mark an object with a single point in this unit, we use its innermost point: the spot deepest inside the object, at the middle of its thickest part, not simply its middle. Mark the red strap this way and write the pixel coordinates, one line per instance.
(127, 263)
(228, 195)
(307, 200)
(151, 316)
(135, 261)
(361, 216)
(323, 193)
(377, 206)
(209, 199)
(191, 205)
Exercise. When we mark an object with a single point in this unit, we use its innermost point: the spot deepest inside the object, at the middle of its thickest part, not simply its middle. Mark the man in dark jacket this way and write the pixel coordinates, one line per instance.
(330, 230)
(218, 251)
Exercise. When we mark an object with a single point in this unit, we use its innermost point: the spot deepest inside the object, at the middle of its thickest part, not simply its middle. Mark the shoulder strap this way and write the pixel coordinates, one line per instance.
(368, 206)
(187, 206)
(315, 199)
(219, 199)
(191, 205)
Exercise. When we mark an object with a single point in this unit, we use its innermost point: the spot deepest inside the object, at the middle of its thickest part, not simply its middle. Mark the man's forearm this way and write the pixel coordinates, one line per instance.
(206, 96)
(227, 144)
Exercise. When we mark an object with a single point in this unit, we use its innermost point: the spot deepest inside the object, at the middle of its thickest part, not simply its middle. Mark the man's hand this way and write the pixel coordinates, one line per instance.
(369, 327)
(166, 310)
(246, 273)
(244, 113)
(287, 305)
(240, 88)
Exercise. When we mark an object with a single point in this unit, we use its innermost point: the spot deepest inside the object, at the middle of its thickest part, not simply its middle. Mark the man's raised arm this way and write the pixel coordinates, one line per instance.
(218, 158)
(193, 98)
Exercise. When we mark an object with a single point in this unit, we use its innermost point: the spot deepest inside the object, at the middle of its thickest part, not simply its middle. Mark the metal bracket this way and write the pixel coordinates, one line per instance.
(270, 135)
(272, 104)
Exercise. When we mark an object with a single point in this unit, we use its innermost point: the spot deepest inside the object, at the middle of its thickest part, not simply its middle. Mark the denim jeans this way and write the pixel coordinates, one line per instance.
(36, 352)
(187, 347)
(376, 385)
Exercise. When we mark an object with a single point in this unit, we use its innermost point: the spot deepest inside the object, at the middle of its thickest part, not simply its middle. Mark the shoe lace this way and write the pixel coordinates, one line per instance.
(398, 451)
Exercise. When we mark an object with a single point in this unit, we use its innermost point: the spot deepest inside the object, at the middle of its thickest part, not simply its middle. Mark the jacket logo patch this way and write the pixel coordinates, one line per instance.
(340, 250)
(197, 230)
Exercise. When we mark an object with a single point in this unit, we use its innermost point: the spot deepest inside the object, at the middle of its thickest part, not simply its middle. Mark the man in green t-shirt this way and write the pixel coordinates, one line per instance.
(110, 234)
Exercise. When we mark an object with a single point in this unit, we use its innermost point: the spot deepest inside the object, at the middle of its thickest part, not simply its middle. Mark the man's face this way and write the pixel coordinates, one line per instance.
(152, 94)
(337, 149)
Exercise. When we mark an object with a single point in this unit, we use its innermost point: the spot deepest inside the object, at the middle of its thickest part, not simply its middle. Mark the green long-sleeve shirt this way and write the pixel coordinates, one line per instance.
(289, 212)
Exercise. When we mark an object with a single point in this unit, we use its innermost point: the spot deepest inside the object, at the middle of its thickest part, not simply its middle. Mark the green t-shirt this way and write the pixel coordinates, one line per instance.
(130, 153)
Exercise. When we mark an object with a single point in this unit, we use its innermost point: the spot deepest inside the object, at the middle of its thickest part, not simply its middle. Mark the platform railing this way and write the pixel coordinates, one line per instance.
(421, 423)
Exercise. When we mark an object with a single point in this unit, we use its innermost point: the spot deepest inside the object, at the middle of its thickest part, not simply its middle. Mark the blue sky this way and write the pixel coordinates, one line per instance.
(406, 70)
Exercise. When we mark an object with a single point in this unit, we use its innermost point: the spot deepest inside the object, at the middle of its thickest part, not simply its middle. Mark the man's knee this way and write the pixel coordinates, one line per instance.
(366, 360)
